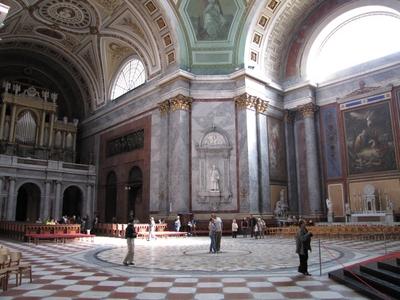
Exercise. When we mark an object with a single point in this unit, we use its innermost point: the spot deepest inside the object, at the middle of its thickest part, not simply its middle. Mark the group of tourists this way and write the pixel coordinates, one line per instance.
(215, 226)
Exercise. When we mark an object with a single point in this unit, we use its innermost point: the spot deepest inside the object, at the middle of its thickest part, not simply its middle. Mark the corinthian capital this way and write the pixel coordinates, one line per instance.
(163, 107)
(246, 101)
(262, 106)
(180, 102)
(307, 110)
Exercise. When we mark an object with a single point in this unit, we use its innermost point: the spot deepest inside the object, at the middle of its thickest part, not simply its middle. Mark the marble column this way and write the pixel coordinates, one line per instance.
(11, 200)
(179, 154)
(263, 158)
(313, 181)
(89, 205)
(2, 119)
(46, 205)
(164, 204)
(247, 153)
(57, 203)
(291, 162)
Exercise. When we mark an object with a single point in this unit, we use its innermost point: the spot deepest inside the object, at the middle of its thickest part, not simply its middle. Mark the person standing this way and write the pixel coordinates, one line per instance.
(152, 229)
(177, 224)
(303, 245)
(244, 226)
(130, 236)
(235, 228)
(218, 232)
(212, 233)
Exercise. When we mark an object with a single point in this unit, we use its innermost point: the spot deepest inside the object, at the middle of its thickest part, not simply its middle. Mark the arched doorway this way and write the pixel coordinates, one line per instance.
(134, 188)
(28, 203)
(72, 202)
(111, 197)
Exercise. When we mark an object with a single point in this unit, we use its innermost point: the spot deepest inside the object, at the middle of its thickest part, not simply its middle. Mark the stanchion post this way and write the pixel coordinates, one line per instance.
(384, 240)
(320, 260)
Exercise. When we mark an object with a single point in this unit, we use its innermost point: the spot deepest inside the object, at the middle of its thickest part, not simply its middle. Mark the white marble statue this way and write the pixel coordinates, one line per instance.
(214, 179)
(329, 205)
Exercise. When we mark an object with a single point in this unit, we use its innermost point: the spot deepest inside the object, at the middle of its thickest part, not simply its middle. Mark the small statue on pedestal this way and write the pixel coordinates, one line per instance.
(330, 211)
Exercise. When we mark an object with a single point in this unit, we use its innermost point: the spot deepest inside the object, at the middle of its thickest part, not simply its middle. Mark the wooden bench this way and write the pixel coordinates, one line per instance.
(57, 237)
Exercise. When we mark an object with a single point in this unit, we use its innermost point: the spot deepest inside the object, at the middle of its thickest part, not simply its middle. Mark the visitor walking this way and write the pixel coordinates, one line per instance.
(303, 244)
(152, 229)
(130, 236)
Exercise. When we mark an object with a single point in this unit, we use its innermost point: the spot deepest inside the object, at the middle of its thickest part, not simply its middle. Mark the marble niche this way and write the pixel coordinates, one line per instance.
(214, 153)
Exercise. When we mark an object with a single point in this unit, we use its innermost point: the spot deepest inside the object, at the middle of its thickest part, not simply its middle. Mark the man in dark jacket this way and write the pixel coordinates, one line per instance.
(130, 235)
(303, 244)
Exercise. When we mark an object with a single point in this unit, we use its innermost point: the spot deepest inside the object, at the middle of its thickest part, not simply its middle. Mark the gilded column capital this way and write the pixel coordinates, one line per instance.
(262, 105)
(289, 116)
(163, 107)
(307, 110)
(180, 102)
(246, 101)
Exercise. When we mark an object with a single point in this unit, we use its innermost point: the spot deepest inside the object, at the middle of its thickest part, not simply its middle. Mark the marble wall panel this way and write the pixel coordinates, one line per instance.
(220, 114)
(301, 156)
(277, 153)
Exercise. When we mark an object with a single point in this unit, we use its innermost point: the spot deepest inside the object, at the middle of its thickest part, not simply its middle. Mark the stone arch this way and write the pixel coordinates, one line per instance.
(111, 197)
(136, 207)
(28, 202)
(73, 201)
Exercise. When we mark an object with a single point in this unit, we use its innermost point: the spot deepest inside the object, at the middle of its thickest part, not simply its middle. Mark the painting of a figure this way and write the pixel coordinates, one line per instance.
(369, 139)
(277, 164)
(211, 19)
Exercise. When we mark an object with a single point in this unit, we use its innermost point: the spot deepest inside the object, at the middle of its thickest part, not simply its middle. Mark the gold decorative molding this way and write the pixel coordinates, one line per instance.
(289, 116)
(247, 101)
(180, 102)
(261, 106)
(163, 107)
(308, 110)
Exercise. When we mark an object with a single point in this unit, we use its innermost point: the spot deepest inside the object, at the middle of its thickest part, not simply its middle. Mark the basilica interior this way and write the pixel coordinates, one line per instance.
(112, 110)
(122, 108)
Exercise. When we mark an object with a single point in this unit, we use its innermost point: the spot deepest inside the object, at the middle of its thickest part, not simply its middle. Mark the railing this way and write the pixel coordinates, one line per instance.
(18, 230)
(118, 230)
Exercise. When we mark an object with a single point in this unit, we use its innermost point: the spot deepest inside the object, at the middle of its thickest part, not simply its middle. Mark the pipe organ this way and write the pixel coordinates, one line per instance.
(29, 126)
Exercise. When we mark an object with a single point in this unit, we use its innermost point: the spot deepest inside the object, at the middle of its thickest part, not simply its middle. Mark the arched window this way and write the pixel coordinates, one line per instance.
(131, 76)
(357, 36)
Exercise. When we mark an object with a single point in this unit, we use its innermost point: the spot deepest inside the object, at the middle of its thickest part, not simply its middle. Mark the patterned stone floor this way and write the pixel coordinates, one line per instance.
(181, 268)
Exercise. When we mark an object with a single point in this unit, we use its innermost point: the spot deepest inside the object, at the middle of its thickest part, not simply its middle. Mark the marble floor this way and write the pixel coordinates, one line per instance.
(182, 268)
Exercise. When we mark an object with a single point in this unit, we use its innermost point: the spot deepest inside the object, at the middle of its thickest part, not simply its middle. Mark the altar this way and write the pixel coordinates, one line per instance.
(371, 206)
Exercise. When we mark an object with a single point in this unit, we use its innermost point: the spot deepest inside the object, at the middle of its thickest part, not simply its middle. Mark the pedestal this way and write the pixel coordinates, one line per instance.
(330, 217)
(389, 218)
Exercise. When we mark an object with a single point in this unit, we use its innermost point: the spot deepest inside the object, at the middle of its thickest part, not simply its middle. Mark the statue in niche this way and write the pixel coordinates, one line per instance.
(281, 206)
(214, 179)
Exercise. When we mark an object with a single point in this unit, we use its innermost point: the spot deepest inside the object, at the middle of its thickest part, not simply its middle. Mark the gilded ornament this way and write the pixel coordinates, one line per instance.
(180, 102)
(308, 110)
(289, 116)
(246, 101)
(163, 107)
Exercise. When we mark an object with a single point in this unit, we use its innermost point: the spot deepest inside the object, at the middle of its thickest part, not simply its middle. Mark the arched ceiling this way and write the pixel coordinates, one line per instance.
(93, 38)
(90, 39)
